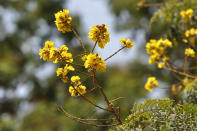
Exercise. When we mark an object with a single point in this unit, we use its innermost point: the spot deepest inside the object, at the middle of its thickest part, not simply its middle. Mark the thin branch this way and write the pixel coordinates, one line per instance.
(122, 97)
(82, 120)
(83, 73)
(81, 43)
(110, 105)
(180, 73)
(91, 101)
(114, 53)
(94, 46)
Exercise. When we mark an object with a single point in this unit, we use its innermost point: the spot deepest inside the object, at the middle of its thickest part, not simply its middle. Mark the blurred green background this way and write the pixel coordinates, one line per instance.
(29, 88)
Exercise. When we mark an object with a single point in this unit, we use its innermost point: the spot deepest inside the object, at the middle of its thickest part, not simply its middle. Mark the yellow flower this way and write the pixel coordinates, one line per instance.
(51, 53)
(160, 65)
(94, 61)
(151, 82)
(127, 43)
(64, 71)
(156, 49)
(45, 52)
(165, 59)
(191, 32)
(75, 78)
(77, 88)
(63, 21)
(190, 52)
(100, 35)
(186, 15)
(77, 91)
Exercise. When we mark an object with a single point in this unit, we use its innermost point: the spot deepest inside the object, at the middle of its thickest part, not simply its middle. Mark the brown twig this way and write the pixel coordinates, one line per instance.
(81, 43)
(83, 121)
(122, 97)
(180, 73)
(110, 105)
(94, 47)
(91, 101)
(82, 72)
(114, 53)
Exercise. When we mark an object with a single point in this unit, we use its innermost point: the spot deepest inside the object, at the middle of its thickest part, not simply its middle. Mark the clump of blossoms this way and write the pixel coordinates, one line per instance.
(190, 52)
(63, 21)
(51, 53)
(76, 88)
(151, 83)
(191, 32)
(92, 62)
(157, 51)
(127, 43)
(186, 14)
(99, 34)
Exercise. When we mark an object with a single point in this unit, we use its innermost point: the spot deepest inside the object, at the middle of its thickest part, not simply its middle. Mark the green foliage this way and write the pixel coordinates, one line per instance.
(189, 88)
(169, 12)
(160, 114)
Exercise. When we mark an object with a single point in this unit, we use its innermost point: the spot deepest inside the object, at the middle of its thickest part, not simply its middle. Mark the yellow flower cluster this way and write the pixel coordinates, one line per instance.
(186, 14)
(156, 50)
(63, 21)
(190, 52)
(191, 32)
(64, 71)
(127, 43)
(151, 82)
(51, 53)
(93, 61)
(77, 88)
(100, 35)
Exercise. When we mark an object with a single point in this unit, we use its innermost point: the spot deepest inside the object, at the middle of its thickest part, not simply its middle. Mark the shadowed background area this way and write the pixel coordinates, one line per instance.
(29, 88)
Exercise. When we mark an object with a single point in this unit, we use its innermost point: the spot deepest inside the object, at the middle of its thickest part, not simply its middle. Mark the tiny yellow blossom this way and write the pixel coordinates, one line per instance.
(77, 88)
(190, 52)
(77, 91)
(156, 49)
(186, 81)
(100, 35)
(63, 21)
(160, 65)
(64, 71)
(165, 59)
(186, 15)
(94, 61)
(127, 43)
(75, 78)
(51, 53)
(151, 82)
(191, 32)
(45, 52)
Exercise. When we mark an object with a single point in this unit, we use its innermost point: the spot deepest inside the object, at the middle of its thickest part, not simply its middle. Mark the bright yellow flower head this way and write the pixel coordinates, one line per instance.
(51, 53)
(64, 71)
(127, 43)
(190, 52)
(75, 78)
(186, 15)
(151, 82)
(94, 61)
(45, 52)
(160, 65)
(191, 32)
(100, 34)
(63, 21)
(77, 91)
(77, 88)
(156, 49)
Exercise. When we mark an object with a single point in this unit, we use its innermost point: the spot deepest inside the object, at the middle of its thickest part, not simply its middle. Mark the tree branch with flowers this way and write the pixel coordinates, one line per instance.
(92, 62)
